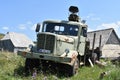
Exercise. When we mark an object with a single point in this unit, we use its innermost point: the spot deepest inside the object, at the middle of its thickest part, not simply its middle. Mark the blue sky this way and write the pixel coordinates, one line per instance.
(22, 15)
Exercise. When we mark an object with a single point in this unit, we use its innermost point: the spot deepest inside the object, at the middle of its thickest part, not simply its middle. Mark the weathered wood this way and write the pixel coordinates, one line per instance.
(100, 64)
(93, 43)
(100, 40)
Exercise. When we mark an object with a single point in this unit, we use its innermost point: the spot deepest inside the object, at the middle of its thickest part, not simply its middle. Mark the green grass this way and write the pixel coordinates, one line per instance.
(12, 68)
(1, 36)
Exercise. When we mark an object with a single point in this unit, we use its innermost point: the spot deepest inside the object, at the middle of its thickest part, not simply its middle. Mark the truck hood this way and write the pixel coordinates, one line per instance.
(65, 38)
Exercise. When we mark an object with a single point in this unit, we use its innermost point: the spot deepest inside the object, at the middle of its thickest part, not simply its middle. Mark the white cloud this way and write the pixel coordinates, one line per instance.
(95, 18)
(115, 25)
(92, 17)
(5, 28)
(118, 23)
(109, 25)
(29, 23)
(22, 27)
(89, 29)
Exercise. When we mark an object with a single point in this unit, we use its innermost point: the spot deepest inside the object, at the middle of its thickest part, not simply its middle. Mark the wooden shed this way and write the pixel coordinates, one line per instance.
(15, 41)
(110, 42)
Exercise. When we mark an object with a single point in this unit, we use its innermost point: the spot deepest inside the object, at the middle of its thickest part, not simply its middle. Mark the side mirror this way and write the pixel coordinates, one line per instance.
(85, 32)
(38, 27)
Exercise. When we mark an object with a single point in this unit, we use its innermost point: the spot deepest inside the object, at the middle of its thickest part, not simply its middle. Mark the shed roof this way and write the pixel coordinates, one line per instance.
(106, 33)
(18, 39)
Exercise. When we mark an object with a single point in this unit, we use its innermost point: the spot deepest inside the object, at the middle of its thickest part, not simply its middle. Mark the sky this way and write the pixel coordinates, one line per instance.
(21, 16)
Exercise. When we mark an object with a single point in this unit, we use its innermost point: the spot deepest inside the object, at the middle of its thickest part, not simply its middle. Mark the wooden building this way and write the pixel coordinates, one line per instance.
(110, 42)
(15, 41)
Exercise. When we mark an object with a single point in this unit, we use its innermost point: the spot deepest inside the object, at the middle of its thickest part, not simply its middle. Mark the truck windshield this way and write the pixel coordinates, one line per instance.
(60, 28)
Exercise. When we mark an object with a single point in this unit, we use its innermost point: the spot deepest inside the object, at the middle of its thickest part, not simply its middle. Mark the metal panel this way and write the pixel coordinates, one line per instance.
(46, 42)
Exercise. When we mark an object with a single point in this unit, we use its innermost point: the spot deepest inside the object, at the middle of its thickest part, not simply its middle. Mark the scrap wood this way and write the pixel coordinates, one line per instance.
(100, 64)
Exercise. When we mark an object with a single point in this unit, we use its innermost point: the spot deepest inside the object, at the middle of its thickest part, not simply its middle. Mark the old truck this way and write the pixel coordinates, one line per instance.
(62, 42)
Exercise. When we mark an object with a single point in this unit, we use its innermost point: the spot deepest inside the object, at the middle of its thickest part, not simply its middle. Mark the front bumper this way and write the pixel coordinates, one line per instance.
(45, 57)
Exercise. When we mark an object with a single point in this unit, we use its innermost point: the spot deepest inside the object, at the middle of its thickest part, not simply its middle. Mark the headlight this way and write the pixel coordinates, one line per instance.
(67, 51)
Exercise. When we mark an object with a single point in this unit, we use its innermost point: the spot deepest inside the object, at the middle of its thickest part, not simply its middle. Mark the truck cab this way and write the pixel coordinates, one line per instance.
(58, 36)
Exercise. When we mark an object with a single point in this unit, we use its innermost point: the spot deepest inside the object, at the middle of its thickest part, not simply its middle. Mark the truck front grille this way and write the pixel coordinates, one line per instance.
(45, 43)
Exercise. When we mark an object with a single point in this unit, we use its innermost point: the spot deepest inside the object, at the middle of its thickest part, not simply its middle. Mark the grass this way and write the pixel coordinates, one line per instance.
(1, 36)
(12, 68)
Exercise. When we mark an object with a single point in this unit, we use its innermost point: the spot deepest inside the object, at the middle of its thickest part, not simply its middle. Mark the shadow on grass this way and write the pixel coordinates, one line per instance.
(58, 71)
(20, 71)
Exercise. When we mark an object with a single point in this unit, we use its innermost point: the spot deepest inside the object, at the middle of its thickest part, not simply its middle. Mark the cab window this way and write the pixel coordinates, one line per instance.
(84, 32)
(61, 29)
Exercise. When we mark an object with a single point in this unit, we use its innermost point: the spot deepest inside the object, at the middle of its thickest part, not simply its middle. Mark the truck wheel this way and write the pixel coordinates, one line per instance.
(27, 66)
(74, 68)
(30, 64)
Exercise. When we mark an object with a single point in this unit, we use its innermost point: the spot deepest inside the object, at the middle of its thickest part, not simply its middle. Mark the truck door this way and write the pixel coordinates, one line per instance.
(83, 36)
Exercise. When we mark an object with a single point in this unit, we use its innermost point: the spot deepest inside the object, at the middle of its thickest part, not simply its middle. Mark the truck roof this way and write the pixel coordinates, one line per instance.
(66, 22)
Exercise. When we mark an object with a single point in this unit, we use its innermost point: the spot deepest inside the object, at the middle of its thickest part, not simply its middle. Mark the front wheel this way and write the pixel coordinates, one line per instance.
(30, 64)
(74, 68)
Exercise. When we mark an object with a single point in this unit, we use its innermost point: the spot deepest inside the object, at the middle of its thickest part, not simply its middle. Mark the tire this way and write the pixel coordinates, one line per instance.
(44, 65)
(30, 64)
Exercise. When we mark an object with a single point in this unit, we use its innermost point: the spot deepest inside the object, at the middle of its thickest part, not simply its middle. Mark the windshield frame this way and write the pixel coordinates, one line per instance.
(63, 28)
